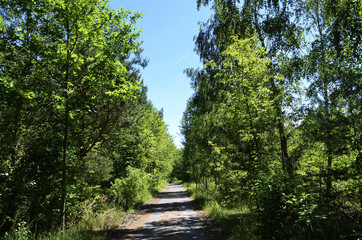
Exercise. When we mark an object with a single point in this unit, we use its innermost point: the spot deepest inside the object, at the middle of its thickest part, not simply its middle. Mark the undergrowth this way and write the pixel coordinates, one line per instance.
(236, 222)
(92, 226)
(94, 223)
(282, 213)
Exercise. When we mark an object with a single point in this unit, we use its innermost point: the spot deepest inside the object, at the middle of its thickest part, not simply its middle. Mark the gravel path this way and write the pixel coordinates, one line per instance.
(170, 215)
(173, 218)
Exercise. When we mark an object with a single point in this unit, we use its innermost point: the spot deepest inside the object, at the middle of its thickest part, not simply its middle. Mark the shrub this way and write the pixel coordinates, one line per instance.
(285, 210)
(273, 212)
(131, 191)
(21, 232)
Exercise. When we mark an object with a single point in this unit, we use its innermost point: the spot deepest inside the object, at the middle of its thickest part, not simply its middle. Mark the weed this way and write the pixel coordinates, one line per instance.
(238, 223)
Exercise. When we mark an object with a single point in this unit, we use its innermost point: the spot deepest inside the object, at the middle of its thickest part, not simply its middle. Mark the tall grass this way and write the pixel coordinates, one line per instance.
(94, 222)
(237, 222)
(93, 226)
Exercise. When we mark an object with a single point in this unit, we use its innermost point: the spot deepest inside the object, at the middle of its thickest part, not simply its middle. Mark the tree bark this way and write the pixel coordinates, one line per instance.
(286, 160)
(64, 170)
(66, 133)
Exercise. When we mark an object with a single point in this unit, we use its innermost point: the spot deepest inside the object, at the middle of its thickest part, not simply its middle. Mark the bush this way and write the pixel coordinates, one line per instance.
(273, 212)
(156, 183)
(285, 210)
(131, 191)
(21, 232)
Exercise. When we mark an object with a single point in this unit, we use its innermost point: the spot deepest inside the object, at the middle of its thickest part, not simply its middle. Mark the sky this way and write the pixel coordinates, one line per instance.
(169, 27)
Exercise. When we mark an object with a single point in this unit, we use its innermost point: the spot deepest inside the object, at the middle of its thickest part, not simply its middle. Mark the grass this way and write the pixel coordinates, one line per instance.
(93, 226)
(237, 223)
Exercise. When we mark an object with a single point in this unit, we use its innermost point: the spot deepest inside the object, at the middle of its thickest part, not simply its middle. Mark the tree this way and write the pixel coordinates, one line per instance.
(276, 23)
(73, 81)
(252, 129)
(331, 71)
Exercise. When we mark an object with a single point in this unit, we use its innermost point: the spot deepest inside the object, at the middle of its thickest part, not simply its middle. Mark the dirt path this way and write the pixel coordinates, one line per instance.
(170, 215)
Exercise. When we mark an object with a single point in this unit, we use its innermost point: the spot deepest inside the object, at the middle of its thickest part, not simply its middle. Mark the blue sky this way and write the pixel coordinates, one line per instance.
(168, 30)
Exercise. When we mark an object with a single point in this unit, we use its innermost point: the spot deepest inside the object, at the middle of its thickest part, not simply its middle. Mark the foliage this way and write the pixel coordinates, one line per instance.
(19, 233)
(274, 120)
(94, 225)
(131, 191)
(237, 222)
(74, 113)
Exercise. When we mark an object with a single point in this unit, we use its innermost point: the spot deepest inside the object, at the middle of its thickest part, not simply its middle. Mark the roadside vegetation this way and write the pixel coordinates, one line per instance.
(94, 225)
(236, 222)
(272, 133)
(80, 143)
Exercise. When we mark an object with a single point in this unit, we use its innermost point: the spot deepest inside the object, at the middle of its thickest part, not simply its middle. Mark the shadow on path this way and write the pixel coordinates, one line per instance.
(167, 229)
(171, 215)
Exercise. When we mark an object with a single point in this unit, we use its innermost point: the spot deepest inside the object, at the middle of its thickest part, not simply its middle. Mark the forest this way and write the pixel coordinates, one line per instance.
(77, 131)
(272, 134)
(273, 131)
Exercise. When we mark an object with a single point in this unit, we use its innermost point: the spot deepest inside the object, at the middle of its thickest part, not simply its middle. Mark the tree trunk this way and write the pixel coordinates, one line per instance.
(64, 170)
(66, 133)
(286, 161)
(326, 122)
(327, 142)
